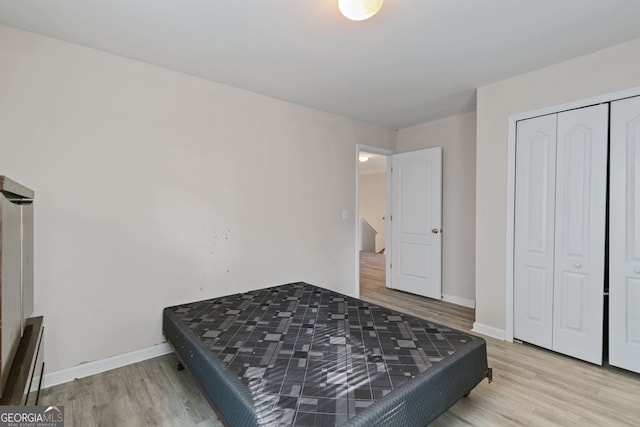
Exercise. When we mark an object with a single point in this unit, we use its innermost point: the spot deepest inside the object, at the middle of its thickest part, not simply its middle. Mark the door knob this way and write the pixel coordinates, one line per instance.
(578, 265)
(436, 230)
(637, 270)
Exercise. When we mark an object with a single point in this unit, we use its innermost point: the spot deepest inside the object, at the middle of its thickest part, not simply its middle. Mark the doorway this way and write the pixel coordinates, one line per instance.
(412, 242)
(371, 217)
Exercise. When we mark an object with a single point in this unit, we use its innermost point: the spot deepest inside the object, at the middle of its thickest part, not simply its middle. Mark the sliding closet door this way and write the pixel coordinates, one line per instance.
(624, 235)
(581, 191)
(534, 229)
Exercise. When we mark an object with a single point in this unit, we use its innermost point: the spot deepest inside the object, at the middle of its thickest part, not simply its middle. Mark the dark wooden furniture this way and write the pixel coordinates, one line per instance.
(25, 376)
(20, 338)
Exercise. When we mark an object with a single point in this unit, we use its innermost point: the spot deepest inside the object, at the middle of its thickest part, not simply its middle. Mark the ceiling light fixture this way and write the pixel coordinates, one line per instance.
(359, 10)
(363, 158)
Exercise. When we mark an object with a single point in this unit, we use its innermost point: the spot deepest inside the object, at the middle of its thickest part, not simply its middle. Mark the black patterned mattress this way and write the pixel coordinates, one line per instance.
(301, 355)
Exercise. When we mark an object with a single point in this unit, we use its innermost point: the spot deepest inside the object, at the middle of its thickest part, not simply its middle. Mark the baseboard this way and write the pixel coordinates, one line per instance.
(489, 331)
(465, 302)
(91, 368)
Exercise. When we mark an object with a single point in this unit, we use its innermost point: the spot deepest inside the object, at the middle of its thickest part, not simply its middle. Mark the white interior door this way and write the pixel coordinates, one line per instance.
(624, 235)
(534, 230)
(416, 222)
(581, 194)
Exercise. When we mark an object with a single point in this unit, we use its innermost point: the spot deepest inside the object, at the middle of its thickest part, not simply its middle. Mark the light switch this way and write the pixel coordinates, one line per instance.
(345, 214)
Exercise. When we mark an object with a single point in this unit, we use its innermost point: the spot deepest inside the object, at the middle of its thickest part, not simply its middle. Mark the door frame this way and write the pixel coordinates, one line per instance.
(511, 179)
(387, 223)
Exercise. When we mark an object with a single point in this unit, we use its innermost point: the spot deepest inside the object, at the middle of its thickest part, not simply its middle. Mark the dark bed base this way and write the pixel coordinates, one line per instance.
(414, 403)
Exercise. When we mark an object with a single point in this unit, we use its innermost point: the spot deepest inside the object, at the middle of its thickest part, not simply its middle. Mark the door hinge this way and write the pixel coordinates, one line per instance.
(390, 265)
(391, 169)
(390, 217)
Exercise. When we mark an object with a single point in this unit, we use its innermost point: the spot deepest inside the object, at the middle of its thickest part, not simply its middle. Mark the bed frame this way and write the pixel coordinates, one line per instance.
(302, 355)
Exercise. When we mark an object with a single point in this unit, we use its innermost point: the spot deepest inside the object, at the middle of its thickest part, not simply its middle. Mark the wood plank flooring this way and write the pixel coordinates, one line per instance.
(531, 387)
(148, 393)
(372, 289)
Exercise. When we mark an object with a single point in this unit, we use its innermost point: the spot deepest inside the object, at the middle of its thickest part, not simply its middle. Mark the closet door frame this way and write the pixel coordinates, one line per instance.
(511, 173)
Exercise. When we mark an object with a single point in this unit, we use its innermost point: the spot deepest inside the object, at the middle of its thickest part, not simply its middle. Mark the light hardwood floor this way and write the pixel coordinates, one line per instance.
(148, 393)
(531, 387)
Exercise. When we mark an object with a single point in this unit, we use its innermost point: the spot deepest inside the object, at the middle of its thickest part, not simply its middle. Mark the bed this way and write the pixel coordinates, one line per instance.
(302, 355)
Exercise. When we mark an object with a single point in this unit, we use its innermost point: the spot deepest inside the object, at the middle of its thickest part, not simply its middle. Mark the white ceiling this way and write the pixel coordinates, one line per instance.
(376, 163)
(415, 61)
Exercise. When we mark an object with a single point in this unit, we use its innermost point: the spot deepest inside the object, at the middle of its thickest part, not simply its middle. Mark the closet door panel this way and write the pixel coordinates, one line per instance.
(624, 235)
(581, 187)
(534, 229)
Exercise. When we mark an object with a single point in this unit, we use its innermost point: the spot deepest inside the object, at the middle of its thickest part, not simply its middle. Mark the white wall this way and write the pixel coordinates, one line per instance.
(373, 203)
(367, 236)
(456, 136)
(609, 70)
(155, 188)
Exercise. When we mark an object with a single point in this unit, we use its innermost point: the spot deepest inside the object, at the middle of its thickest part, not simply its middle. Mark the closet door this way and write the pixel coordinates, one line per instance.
(624, 235)
(581, 192)
(534, 229)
